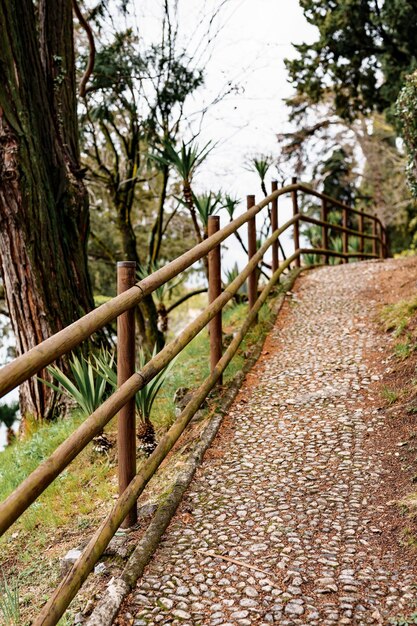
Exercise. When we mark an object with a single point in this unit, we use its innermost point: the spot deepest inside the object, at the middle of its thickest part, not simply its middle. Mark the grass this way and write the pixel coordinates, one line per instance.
(389, 395)
(397, 317)
(78, 500)
(404, 620)
(9, 602)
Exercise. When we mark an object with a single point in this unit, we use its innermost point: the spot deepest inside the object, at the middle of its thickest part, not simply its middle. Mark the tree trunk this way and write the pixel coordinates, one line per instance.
(43, 202)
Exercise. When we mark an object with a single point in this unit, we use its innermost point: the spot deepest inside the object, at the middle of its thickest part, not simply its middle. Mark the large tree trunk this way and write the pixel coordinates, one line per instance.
(43, 203)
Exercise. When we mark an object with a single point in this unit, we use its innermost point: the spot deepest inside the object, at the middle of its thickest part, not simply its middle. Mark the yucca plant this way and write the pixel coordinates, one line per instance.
(144, 398)
(230, 204)
(261, 164)
(230, 275)
(207, 204)
(88, 387)
(336, 244)
(9, 602)
(185, 161)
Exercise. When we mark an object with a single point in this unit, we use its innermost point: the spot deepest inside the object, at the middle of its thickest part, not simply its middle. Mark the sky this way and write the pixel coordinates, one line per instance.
(254, 37)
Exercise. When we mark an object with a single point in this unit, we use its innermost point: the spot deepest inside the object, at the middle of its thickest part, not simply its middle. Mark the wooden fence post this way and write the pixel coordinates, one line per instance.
(215, 289)
(374, 232)
(253, 277)
(324, 233)
(384, 242)
(126, 422)
(296, 224)
(274, 227)
(345, 236)
(361, 229)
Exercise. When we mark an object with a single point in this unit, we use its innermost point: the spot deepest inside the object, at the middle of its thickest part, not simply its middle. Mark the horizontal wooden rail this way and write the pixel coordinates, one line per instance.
(30, 363)
(342, 255)
(71, 583)
(340, 205)
(337, 227)
(31, 488)
(48, 351)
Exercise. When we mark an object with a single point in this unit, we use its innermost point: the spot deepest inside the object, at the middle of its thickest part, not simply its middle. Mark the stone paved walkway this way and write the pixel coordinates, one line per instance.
(286, 488)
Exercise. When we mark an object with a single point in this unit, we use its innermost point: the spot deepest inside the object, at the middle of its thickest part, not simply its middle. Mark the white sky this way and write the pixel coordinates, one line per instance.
(255, 37)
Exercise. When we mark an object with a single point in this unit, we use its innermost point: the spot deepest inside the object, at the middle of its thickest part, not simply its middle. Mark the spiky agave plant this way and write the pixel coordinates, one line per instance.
(88, 387)
(207, 204)
(261, 164)
(230, 275)
(336, 244)
(185, 161)
(144, 398)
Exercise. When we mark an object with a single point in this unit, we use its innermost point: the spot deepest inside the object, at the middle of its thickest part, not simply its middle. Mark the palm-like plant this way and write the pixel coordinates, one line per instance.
(207, 204)
(144, 398)
(185, 161)
(230, 204)
(336, 244)
(261, 164)
(88, 387)
(230, 275)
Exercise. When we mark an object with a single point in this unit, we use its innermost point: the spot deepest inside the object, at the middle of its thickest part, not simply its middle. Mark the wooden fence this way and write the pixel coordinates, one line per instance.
(351, 223)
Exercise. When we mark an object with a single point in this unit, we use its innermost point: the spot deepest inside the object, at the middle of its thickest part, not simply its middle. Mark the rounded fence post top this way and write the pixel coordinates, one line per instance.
(126, 263)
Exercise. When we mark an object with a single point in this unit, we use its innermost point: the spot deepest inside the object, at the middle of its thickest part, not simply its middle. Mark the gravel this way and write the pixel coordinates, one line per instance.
(285, 489)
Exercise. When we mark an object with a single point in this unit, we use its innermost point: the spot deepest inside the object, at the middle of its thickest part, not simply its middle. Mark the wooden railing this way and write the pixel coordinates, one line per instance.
(131, 481)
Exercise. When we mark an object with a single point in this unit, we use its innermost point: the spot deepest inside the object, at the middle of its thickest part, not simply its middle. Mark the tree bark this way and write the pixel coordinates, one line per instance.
(44, 218)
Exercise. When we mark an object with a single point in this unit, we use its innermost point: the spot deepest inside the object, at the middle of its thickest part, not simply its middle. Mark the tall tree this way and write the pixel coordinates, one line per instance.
(44, 218)
(364, 51)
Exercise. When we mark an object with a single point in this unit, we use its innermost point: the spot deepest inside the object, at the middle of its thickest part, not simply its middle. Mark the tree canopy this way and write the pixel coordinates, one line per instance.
(364, 50)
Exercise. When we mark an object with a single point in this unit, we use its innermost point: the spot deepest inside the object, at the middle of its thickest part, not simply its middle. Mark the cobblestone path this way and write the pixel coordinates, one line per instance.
(286, 488)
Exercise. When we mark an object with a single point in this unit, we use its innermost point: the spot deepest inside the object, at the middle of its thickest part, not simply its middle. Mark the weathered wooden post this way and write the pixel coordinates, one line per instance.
(361, 230)
(345, 236)
(324, 233)
(274, 226)
(384, 243)
(215, 289)
(297, 223)
(253, 277)
(374, 233)
(126, 423)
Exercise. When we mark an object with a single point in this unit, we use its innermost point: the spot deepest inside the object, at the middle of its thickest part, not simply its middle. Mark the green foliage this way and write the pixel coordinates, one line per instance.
(406, 108)
(404, 620)
(260, 164)
(230, 275)
(9, 602)
(89, 386)
(207, 204)
(362, 54)
(186, 160)
(230, 204)
(8, 414)
(145, 397)
(167, 289)
(396, 317)
(389, 395)
(337, 176)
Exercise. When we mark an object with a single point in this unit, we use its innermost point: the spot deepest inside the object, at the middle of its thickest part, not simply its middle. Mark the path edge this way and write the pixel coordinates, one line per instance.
(118, 588)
